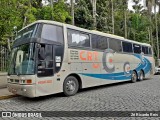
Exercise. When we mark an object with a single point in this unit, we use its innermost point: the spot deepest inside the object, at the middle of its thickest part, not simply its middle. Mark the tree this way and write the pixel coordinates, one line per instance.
(156, 26)
(149, 4)
(94, 4)
(10, 16)
(59, 12)
(139, 23)
(72, 11)
(83, 14)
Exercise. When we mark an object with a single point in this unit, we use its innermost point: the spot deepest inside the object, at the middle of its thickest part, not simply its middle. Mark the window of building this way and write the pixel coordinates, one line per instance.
(99, 42)
(137, 48)
(115, 45)
(77, 38)
(127, 47)
(52, 33)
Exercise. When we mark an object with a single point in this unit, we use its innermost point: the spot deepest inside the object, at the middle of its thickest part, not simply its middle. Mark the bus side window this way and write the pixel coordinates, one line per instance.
(78, 39)
(145, 50)
(137, 48)
(115, 45)
(99, 42)
(149, 51)
(127, 47)
(45, 60)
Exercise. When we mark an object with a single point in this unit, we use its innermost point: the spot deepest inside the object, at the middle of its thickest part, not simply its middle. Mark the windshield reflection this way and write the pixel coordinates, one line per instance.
(23, 60)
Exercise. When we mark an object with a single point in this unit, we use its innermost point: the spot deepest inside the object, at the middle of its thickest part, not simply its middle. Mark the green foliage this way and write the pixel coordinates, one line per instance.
(60, 12)
(45, 13)
(83, 14)
(9, 17)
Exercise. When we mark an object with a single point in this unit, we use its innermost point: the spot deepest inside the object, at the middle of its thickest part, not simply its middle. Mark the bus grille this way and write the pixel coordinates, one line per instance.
(13, 81)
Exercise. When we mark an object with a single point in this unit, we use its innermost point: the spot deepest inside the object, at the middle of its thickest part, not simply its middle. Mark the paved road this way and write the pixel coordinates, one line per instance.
(140, 96)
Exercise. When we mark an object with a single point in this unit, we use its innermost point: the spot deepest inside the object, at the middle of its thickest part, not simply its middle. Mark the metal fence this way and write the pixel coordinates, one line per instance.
(3, 58)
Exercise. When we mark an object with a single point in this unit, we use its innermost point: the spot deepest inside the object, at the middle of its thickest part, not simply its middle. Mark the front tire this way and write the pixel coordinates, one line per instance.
(134, 77)
(70, 86)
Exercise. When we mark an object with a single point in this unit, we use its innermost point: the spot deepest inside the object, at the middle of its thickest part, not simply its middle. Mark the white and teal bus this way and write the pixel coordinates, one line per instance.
(49, 57)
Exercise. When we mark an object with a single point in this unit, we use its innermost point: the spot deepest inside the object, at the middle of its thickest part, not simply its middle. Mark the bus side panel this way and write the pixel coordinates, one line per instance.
(99, 75)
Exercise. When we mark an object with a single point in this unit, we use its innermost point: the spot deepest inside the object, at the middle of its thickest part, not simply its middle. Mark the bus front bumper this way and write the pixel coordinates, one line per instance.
(24, 90)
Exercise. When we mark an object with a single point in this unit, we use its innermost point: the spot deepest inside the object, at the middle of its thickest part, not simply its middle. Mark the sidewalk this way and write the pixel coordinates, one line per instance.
(3, 79)
(4, 93)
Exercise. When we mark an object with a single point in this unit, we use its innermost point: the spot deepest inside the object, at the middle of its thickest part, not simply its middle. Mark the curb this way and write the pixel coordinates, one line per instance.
(7, 97)
(3, 74)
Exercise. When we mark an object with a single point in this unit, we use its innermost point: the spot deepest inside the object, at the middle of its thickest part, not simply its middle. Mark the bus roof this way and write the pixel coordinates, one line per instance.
(86, 30)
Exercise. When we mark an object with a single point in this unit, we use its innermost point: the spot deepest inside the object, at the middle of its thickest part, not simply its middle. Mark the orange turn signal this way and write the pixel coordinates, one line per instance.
(29, 81)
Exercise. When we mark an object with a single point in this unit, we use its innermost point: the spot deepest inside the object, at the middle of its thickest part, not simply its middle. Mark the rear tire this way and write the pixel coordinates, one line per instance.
(134, 77)
(70, 86)
(141, 75)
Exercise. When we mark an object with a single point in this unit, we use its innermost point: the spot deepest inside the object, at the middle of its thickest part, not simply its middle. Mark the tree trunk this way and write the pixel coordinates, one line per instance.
(9, 45)
(94, 14)
(24, 21)
(52, 9)
(125, 23)
(156, 31)
(112, 17)
(72, 11)
(149, 5)
(149, 36)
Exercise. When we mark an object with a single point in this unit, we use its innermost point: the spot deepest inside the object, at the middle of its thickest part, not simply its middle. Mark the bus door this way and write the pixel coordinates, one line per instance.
(45, 69)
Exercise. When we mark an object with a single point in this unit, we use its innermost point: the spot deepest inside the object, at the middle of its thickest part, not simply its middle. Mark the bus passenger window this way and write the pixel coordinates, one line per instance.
(127, 47)
(150, 51)
(77, 38)
(99, 42)
(145, 50)
(137, 48)
(115, 45)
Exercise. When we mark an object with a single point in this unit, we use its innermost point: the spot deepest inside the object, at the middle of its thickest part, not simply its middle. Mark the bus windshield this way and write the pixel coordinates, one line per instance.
(27, 32)
(23, 60)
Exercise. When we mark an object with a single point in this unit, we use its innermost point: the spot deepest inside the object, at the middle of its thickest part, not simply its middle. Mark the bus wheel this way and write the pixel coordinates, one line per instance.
(134, 77)
(70, 86)
(141, 75)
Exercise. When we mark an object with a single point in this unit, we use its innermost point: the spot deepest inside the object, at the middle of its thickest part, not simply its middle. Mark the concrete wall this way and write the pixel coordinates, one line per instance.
(3, 80)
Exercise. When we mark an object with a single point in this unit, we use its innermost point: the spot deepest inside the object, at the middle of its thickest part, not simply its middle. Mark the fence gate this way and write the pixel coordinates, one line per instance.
(3, 58)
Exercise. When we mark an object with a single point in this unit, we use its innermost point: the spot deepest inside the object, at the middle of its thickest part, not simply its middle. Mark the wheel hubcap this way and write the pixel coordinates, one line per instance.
(141, 76)
(134, 77)
(70, 86)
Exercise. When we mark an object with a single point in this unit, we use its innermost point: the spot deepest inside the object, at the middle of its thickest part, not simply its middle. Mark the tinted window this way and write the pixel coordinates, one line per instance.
(115, 45)
(45, 60)
(150, 51)
(77, 38)
(52, 32)
(127, 47)
(137, 48)
(99, 42)
(27, 32)
(145, 50)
